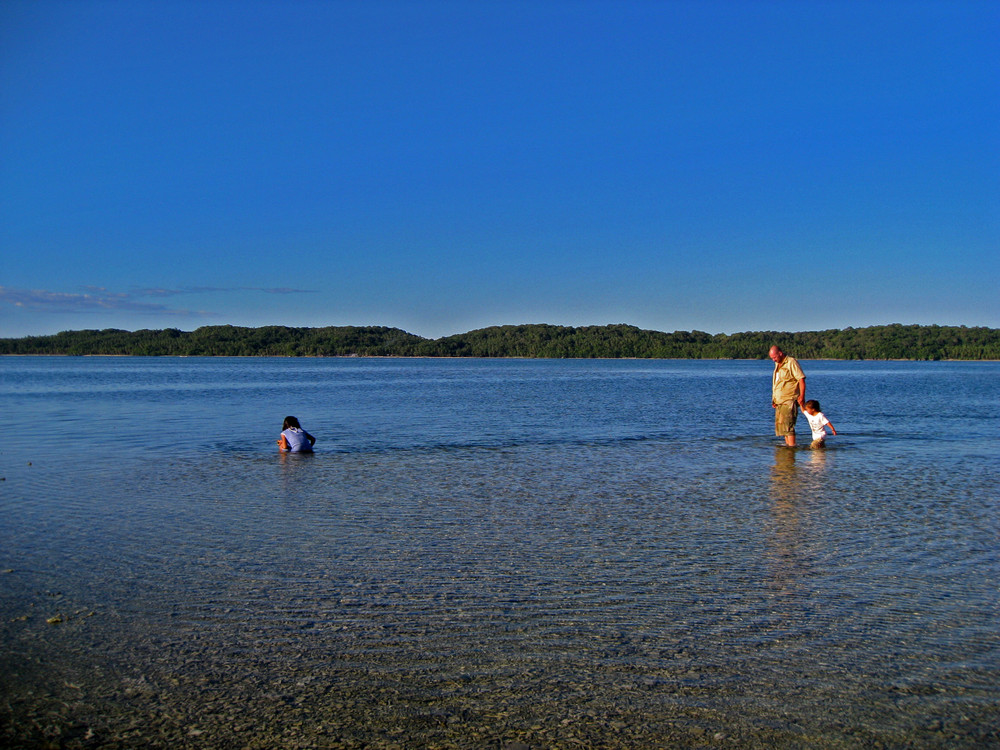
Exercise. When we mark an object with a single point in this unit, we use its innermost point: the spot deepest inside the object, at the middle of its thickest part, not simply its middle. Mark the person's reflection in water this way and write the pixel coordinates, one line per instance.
(786, 490)
(783, 475)
(784, 542)
(292, 462)
(817, 456)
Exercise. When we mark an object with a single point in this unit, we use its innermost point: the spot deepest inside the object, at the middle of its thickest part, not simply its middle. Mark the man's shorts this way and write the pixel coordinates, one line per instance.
(784, 418)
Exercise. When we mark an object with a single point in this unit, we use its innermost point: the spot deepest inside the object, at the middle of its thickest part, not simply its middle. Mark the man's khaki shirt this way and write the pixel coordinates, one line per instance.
(785, 381)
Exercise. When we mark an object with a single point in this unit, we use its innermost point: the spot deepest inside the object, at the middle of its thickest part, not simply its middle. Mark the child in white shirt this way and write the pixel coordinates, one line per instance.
(817, 423)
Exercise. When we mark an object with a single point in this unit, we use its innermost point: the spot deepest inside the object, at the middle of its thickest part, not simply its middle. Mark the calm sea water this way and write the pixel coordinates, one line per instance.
(485, 553)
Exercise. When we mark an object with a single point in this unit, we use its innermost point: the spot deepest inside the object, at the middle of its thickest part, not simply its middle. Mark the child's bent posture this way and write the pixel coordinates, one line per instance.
(293, 438)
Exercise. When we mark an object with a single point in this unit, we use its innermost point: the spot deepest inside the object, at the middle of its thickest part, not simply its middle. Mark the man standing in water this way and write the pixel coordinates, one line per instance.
(788, 394)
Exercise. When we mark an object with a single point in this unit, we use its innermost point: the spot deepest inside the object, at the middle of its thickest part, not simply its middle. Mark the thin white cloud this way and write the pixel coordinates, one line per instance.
(161, 292)
(96, 299)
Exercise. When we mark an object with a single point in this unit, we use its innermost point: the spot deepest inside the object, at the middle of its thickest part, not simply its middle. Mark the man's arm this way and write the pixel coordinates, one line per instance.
(802, 392)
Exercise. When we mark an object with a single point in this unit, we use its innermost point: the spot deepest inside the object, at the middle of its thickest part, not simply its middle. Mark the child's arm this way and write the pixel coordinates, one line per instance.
(312, 440)
(832, 428)
(282, 443)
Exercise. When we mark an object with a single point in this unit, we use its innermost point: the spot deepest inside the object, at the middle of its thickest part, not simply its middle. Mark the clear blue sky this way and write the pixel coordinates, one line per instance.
(444, 166)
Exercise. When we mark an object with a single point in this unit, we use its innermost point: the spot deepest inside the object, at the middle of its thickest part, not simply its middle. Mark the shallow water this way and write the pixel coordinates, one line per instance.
(484, 553)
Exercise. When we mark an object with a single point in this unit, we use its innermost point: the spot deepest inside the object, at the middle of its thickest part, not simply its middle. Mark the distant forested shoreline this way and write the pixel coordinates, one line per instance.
(906, 342)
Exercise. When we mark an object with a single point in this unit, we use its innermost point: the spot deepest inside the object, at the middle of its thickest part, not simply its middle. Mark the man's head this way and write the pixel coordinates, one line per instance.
(777, 355)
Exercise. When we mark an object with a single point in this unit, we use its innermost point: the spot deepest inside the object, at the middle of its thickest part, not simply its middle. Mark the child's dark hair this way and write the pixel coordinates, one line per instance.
(291, 422)
(813, 404)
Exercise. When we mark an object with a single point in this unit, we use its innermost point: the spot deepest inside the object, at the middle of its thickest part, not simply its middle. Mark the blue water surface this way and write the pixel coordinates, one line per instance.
(561, 552)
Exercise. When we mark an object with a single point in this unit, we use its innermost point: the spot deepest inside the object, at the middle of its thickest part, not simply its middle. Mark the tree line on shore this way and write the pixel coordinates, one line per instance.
(912, 342)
